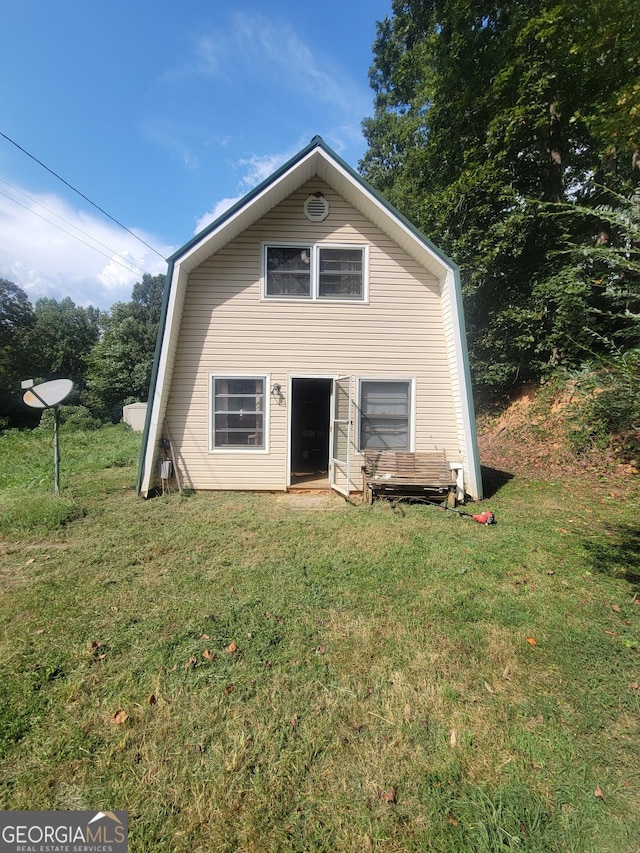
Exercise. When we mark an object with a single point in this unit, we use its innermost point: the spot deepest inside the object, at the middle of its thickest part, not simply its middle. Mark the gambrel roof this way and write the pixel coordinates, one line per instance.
(315, 160)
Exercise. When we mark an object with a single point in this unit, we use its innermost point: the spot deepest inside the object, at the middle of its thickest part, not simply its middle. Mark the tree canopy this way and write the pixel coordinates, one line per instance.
(121, 363)
(496, 126)
(107, 355)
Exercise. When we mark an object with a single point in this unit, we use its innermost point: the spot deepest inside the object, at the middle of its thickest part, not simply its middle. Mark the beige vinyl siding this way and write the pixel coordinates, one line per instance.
(227, 329)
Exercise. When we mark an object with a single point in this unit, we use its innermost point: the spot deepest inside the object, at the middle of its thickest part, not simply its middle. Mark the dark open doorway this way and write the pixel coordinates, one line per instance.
(310, 415)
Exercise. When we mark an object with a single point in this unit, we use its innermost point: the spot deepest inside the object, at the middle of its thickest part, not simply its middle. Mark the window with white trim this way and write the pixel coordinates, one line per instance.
(315, 271)
(238, 410)
(385, 414)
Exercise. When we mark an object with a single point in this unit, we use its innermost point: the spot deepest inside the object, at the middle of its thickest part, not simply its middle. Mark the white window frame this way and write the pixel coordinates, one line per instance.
(230, 374)
(406, 380)
(315, 271)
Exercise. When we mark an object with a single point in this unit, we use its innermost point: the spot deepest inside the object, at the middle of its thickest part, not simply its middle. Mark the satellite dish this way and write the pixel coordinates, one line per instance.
(48, 394)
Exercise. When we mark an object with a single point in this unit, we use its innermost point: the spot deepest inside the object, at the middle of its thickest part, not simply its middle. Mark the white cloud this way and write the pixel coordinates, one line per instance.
(217, 210)
(89, 260)
(260, 167)
(257, 169)
(271, 52)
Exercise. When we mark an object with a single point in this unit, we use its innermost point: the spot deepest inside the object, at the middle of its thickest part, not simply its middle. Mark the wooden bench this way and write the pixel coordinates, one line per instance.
(426, 472)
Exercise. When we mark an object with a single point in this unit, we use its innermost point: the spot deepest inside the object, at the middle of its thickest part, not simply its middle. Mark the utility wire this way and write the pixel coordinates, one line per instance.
(82, 195)
(75, 236)
(66, 221)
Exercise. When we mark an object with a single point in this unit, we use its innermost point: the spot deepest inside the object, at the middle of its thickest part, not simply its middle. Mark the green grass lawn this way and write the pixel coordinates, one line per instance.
(243, 675)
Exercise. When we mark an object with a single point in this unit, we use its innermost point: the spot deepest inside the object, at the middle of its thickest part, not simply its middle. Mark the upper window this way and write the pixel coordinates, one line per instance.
(385, 415)
(238, 412)
(315, 272)
(288, 271)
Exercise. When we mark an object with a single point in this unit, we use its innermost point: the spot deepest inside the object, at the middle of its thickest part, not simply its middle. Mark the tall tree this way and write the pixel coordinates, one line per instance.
(16, 318)
(61, 338)
(488, 115)
(121, 363)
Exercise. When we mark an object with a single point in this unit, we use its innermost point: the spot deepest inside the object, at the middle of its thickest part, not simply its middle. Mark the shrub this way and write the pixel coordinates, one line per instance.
(73, 417)
(607, 412)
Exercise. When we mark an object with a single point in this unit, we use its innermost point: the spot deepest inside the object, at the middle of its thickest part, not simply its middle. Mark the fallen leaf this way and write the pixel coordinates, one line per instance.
(598, 793)
(532, 641)
(635, 686)
(562, 530)
(231, 649)
(205, 637)
(551, 572)
(207, 655)
(387, 796)
(40, 631)
(28, 563)
(152, 699)
(96, 644)
(507, 673)
(489, 687)
(191, 663)
(616, 608)
(451, 819)
(294, 721)
(453, 740)
(320, 650)
(119, 717)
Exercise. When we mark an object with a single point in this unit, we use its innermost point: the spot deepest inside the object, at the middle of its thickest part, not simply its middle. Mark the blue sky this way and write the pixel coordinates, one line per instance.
(161, 113)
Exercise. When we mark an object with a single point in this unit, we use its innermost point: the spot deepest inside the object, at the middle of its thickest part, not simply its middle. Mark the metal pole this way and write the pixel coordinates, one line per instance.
(56, 450)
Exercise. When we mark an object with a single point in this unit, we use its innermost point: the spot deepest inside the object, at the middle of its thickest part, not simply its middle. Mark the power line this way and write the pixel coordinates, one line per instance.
(82, 195)
(66, 221)
(75, 236)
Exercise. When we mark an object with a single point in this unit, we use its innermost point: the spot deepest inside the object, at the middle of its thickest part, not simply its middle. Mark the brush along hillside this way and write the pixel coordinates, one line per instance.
(561, 430)
(244, 672)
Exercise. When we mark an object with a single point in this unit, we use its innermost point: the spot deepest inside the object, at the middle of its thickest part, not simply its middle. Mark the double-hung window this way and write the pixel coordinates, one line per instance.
(315, 271)
(238, 404)
(385, 414)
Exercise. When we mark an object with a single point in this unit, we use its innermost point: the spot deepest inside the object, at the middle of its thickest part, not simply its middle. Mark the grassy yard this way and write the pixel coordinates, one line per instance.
(242, 673)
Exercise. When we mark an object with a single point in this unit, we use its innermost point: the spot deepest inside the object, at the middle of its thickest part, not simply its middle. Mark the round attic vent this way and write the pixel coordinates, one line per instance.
(316, 208)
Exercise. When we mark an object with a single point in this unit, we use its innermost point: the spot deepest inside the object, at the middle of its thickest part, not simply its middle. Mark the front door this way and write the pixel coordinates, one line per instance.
(310, 420)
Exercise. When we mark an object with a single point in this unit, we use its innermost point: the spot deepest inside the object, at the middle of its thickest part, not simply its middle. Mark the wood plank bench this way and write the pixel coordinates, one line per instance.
(426, 472)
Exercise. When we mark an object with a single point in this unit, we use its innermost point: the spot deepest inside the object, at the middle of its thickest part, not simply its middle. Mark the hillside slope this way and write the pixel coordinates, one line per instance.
(530, 437)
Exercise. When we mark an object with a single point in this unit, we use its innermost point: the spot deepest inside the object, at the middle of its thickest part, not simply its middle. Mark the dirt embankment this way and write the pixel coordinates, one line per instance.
(530, 437)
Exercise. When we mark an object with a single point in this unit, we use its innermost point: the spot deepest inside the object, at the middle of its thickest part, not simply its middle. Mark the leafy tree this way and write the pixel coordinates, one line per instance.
(487, 116)
(16, 312)
(50, 341)
(16, 318)
(121, 363)
(61, 338)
